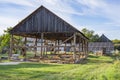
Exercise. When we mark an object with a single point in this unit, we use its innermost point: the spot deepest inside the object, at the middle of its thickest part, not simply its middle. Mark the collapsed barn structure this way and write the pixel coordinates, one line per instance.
(47, 27)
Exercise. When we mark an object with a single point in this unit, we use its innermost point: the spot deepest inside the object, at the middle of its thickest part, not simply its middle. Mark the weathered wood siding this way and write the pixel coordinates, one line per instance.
(98, 46)
(42, 20)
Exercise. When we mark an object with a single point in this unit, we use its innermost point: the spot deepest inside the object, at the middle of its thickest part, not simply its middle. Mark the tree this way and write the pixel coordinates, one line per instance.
(116, 44)
(90, 34)
(116, 41)
(5, 39)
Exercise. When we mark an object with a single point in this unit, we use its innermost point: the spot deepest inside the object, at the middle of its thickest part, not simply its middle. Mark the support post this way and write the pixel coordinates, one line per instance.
(58, 47)
(24, 52)
(83, 48)
(74, 44)
(82, 45)
(86, 48)
(35, 47)
(42, 44)
(55, 48)
(11, 46)
(79, 48)
(65, 48)
(46, 47)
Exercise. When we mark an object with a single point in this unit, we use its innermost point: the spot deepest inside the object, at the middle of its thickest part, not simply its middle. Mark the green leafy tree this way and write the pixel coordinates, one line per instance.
(116, 41)
(90, 34)
(116, 44)
(5, 39)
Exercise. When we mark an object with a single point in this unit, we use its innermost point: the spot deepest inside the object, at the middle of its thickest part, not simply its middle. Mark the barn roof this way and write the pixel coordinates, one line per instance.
(43, 20)
(103, 38)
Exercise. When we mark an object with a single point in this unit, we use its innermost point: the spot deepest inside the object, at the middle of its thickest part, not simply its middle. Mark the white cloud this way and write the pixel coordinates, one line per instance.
(101, 8)
(17, 2)
(64, 9)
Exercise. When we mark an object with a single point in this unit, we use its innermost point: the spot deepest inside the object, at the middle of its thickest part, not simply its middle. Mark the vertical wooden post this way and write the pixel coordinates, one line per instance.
(35, 47)
(42, 44)
(58, 47)
(79, 48)
(71, 46)
(87, 48)
(65, 48)
(82, 44)
(84, 48)
(11, 46)
(74, 44)
(50, 47)
(46, 47)
(55, 48)
(25, 47)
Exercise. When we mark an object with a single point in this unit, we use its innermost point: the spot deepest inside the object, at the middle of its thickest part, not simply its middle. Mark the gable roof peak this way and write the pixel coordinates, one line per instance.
(103, 38)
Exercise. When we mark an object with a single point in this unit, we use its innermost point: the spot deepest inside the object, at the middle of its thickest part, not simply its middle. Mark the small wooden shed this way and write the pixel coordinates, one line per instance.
(46, 26)
(103, 45)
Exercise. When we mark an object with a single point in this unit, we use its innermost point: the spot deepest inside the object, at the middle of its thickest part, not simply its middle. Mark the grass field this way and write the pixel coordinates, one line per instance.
(94, 68)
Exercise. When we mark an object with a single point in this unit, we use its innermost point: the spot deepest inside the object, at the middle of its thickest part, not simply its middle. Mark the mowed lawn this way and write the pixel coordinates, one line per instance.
(94, 68)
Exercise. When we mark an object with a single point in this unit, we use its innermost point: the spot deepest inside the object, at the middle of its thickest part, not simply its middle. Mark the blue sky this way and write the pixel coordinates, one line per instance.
(102, 16)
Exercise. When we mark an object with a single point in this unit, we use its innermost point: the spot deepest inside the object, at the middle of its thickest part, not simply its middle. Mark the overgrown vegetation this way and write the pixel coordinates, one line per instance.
(94, 68)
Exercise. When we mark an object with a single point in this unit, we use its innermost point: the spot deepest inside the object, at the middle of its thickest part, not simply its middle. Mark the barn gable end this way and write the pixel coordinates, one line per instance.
(43, 20)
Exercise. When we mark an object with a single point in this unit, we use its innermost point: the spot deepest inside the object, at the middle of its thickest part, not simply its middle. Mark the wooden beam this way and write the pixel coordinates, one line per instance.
(81, 36)
(67, 39)
(35, 47)
(65, 48)
(64, 41)
(74, 43)
(25, 47)
(42, 44)
(79, 47)
(82, 45)
(58, 47)
(11, 46)
(55, 47)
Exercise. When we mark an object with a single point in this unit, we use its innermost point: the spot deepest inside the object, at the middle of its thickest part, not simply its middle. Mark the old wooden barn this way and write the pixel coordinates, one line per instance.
(103, 45)
(48, 28)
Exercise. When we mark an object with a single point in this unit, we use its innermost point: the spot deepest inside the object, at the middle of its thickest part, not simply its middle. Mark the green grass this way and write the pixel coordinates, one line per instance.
(94, 68)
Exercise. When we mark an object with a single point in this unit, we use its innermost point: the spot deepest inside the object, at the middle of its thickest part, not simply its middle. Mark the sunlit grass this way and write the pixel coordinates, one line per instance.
(94, 68)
